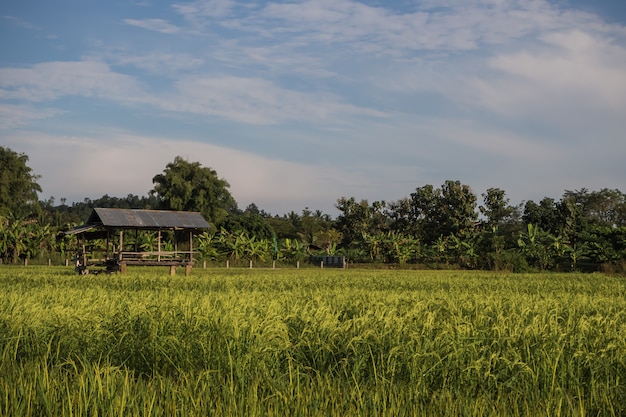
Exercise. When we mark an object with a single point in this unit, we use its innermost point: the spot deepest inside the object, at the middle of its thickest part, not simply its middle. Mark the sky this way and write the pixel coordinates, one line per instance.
(299, 103)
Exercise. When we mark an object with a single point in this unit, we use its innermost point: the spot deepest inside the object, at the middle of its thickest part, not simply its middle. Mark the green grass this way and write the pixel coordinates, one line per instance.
(311, 342)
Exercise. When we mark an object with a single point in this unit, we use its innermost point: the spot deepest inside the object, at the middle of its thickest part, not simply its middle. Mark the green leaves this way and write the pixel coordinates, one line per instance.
(18, 185)
(187, 186)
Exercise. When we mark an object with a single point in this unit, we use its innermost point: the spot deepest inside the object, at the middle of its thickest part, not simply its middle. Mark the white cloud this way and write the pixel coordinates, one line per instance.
(445, 26)
(12, 116)
(171, 64)
(51, 80)
(522, 93)
(257, 101)
(125, 164)
(156, 25)
(203, 8)
(580, 64)
(573, 80)
(16, 21)
(241, 99)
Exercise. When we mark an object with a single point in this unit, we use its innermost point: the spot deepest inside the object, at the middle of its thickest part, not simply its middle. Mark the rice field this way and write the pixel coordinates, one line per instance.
(311, 342)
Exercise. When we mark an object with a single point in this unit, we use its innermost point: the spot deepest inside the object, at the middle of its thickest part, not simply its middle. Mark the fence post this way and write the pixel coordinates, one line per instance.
(322, 264)
(226, 263)
(250, 261)
(297, 264)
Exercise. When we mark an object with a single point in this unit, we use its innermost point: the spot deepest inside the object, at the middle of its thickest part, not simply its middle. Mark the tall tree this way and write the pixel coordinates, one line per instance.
(604, 207)
(189, 186)
(496, 206)
(358, 218)
(449, 210)
(18, 185)
(544, 215)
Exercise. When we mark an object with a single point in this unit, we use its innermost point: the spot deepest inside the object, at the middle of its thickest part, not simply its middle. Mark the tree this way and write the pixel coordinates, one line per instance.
(604, 207)
(18, 185)
(544, 215)
(535, 244)
(251, 221)
(442, 212)
(357, 218)
(188, 186)
(496, 207)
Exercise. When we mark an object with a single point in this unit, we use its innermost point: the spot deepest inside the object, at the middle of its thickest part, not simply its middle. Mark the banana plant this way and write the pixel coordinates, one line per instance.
(534, 245)
(292, 250)
(208, 246)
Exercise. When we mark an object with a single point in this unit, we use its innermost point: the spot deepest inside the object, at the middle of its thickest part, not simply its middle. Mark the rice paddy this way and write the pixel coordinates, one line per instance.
(311, 342)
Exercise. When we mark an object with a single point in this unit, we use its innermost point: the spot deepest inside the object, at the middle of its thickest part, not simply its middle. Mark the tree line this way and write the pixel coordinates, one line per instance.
(435, 227)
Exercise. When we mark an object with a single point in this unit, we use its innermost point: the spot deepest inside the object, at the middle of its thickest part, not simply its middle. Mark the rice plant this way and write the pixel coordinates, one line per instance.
(243, 342)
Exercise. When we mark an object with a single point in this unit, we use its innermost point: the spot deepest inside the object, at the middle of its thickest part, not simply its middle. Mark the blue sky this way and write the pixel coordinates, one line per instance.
(298, 103)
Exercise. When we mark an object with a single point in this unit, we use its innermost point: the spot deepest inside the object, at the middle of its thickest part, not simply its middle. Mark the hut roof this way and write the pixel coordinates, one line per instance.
(143, 219)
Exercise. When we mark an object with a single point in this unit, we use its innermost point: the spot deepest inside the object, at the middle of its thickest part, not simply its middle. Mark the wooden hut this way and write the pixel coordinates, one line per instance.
(104, 240)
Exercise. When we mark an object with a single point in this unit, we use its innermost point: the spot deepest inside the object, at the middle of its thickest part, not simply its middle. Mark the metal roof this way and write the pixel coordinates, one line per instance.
(147, 219)
(80, 229)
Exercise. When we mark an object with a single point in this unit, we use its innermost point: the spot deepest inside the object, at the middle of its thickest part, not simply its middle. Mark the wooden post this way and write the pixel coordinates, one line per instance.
(274, 264)
(159, 246)
(187, 270)
(49, 262)
(297, 264)
(121, 244)
(227, 264)
(322, 264)
(123, 268)
(250, 262)
(204, 264)
(107, 250)
(190, 246)
(172, 270)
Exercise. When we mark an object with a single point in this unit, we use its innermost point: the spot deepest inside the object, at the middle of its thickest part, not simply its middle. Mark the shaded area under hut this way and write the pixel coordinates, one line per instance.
(115, 238)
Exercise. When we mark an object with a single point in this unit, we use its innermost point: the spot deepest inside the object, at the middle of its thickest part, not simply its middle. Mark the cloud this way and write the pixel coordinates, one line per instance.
(444, 26)
(13, 116)
(170, 64)
(257, 101)
(125, 164)
(240, 99)
(156, 25)
(573, 84)
(206, 8)
(522, 93)
(52, 80)
(575, 64)
(16, 21)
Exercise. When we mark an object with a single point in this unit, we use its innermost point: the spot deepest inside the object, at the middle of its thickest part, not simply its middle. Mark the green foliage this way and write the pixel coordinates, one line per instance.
(313, 342)
(450, 210)
(357, 218)
(439, 227)
(188, 186)
(24, 239)
(496, 207)
(18, 185)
